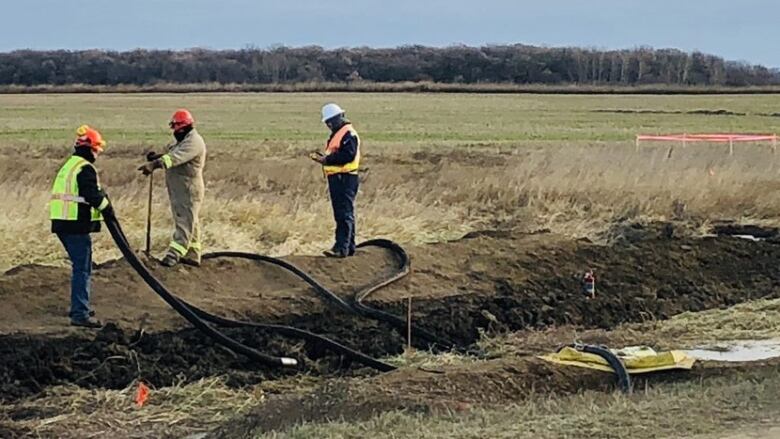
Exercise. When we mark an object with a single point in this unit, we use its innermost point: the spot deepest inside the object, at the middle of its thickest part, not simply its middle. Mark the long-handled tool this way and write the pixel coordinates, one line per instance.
(149, 218)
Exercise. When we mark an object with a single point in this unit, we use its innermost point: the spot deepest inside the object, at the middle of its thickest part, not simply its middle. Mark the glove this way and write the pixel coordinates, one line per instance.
(317, 157)
(149, 167)
(152, 156)
(108, 212)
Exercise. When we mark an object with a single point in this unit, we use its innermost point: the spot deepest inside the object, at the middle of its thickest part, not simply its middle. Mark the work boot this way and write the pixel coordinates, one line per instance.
(89, 322)
(191, 258)
(190, 262)
(334, 254)
(170, 260)
(91, 313)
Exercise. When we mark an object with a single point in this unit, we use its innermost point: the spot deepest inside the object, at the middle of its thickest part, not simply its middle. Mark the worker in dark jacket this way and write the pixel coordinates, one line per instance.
(340, 163)
(76, 208)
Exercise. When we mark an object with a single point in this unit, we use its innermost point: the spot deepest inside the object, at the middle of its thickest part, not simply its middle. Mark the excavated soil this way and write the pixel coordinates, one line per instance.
(498, 280)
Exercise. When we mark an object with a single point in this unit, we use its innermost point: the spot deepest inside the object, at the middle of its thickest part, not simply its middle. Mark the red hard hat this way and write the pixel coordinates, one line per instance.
(86, 136)
(180, 119)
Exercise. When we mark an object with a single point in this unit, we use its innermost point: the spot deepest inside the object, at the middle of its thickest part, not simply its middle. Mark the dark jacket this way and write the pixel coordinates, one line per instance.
(346, 153)
(88, 188)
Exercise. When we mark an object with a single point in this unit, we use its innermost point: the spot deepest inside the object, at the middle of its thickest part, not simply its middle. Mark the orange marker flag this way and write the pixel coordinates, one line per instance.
(141, 394)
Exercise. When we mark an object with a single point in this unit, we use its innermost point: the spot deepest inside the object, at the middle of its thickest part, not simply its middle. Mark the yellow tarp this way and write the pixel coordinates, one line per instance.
(637, 359)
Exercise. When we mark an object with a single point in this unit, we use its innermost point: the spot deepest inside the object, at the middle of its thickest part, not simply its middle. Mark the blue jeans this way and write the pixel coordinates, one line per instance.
(79, 248)
(343, 191)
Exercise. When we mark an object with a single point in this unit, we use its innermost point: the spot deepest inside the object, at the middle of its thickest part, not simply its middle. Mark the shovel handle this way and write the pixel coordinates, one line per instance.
(149, 216)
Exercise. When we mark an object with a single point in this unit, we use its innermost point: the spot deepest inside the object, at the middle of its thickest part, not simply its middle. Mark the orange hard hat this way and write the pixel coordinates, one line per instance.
(180, 119)
(87, 136)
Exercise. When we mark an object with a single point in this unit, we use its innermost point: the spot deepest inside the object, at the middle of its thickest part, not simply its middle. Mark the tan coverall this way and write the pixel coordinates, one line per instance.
(184, 163)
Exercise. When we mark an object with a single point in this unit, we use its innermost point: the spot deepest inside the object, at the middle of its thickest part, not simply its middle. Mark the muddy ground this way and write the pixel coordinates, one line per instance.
(491, 281)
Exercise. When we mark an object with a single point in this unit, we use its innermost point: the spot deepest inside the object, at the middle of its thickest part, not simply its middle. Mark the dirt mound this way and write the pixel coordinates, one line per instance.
(654, 273)
(36, 297)
(112, 359)
(455, 389)
(493, 281)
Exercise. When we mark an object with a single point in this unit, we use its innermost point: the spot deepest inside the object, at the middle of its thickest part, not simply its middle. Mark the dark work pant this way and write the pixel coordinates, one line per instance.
(343, 191)
(79, 248)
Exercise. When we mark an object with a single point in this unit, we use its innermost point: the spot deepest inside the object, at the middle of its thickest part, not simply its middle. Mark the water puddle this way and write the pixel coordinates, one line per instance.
(747, 350)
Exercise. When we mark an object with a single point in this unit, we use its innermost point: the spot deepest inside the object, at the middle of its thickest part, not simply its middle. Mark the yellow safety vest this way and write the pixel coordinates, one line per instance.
(65, 199)
(334, 144)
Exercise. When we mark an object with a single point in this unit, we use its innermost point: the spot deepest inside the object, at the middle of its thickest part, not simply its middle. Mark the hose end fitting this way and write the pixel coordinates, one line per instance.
(289, 361)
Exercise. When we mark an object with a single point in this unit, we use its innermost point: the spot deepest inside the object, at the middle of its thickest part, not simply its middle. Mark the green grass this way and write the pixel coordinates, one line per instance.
(48, 120)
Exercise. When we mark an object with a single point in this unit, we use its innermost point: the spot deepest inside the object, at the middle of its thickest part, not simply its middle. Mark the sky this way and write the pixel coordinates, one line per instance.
(742, 30)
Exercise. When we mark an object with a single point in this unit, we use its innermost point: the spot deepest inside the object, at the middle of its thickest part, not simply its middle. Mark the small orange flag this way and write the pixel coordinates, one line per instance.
(141, 394)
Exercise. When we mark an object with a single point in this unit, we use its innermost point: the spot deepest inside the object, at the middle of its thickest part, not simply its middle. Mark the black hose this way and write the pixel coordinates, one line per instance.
(290, 331)
(199, 317)
(355, 305)
(121, 241)
(404, 268)
(321, 290)
(624, 379)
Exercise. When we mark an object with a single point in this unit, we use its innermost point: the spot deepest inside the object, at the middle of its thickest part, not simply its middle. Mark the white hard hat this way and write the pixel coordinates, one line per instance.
(331, 110)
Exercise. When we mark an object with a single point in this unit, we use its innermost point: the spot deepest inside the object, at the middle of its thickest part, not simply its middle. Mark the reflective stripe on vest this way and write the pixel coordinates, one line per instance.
(68, 198)
(65, 199)
(334, 144)
(178, 248)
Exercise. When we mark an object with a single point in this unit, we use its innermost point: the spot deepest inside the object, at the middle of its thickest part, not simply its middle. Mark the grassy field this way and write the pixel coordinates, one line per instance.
(714, 410)
(437, 165)
(736, 407)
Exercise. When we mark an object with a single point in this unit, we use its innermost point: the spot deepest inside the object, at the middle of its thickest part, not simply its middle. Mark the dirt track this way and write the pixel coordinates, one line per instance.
(491, 280)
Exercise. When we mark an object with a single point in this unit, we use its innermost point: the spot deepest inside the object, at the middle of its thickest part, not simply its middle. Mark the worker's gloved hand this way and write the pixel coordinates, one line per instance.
(149, 167)
(108, 212)
(152, 156)
(317, 157)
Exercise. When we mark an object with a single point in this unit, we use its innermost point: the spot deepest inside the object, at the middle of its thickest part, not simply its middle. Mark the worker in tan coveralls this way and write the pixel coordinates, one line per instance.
(183, 164)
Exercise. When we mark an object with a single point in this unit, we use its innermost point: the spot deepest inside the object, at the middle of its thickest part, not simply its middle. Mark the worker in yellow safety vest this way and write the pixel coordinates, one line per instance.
(340, 163)
(76, 208)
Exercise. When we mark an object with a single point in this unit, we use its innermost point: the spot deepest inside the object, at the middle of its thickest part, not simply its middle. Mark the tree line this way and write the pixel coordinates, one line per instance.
(511, 64)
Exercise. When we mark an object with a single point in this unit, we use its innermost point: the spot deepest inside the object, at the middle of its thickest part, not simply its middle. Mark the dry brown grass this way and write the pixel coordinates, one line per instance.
(578, 191)
(716, 408)
(759, 319)
(437, 166)
(73, 412)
